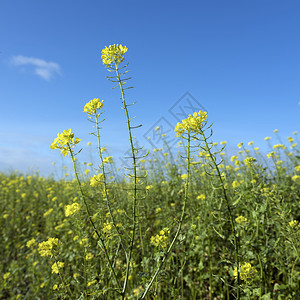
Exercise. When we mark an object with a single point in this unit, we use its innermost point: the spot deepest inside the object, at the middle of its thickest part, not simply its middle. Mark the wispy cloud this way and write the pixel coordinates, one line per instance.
(42, 68)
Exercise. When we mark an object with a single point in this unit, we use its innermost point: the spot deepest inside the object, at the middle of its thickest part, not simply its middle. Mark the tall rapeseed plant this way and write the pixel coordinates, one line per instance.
(113, 57)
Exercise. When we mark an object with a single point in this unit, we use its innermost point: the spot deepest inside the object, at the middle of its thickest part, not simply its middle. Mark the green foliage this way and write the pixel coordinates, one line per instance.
(201, 264)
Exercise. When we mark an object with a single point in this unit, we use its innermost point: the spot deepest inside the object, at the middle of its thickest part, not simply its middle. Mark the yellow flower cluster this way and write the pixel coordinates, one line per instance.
(241, 220)
(293, 223)
(107, 227)
(191, 124)
(279, 146)
(246, 271)
(271, 154)
(113, 54)
(183, 176)
(201, 197)
(92, 107)
(30, 243)
(235, 184)
(46, 247)
(234, 157)
(48, 212)
(296, 178)
(72, 209)
(96, 180)
(57, 266)
(65, 141)
(161, 240)
(6, 275)
(108, 160)
(249, 161)
(89, 256)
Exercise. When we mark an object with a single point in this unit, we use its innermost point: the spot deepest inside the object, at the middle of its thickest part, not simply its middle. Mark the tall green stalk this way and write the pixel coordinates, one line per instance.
(207, 148)
(102, 243)
(134, 163)
(186, 189)
(105, 182)
(112, 57)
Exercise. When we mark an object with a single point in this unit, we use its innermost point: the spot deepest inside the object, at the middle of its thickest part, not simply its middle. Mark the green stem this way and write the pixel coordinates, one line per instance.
(261, 276)
(90, 218)
(229, 211)
(179, 226)
(105, 184)
(134, 162)
(67, 288)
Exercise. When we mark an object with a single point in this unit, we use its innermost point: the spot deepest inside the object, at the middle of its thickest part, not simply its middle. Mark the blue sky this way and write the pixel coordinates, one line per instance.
(238, 59)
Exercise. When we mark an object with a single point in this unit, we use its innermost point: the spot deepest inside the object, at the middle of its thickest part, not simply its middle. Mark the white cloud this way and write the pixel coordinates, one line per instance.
(42, 68)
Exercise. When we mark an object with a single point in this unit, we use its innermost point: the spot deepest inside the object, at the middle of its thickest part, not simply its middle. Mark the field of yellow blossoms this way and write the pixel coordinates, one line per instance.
(200, 224)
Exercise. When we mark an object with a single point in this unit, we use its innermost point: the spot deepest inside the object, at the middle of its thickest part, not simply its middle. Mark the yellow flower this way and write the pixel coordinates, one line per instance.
(48, 212)
(297, 168)
(293, 223)
(84, 242)
(279, 146)
(57, 266)
(65, 142)
(293, 145)
(191, 124)
(241, 220)
(249, 161)
(107, 227)
(267, 138)
(240, 145)
(92, 282)
(96, 180)
(108, 160)
(72, 209)
(92, 107)
(55, 287)
(296, 178)
(46, 247)
(235, 184)
(6, 275)
(89, 256)
(30, 243)
(201, 197)
(149, 187)
(183, 176)
(114, 54)
(234, 157)
(160, 240)
(246, 271)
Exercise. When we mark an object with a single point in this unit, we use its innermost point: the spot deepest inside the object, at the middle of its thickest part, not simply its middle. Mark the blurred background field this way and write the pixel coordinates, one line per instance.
(265, 199)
